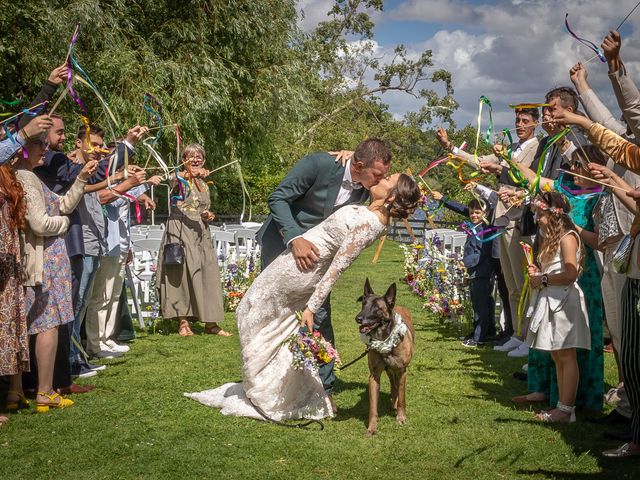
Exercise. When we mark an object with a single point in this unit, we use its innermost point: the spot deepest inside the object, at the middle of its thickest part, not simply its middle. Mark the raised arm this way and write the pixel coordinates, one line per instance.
(595, 109)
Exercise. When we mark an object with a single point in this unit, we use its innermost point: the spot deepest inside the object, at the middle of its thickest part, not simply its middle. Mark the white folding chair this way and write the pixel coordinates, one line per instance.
(226, 245)
(245, 241)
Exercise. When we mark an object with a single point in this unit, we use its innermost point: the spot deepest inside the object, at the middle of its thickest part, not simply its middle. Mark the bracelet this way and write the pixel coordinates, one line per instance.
(24, 134)
(544, 281)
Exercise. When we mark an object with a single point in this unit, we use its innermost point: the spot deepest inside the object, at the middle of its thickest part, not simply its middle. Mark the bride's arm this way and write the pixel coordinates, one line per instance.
(358, 238)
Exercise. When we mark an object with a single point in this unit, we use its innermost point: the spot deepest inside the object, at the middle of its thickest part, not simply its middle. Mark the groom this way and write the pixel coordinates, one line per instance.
(313, 189)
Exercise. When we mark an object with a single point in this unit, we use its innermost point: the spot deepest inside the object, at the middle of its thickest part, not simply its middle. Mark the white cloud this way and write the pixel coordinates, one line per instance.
(509, 50)
(514, 51)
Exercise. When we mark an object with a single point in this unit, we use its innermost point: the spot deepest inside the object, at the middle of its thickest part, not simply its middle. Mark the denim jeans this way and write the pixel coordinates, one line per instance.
(89, 267)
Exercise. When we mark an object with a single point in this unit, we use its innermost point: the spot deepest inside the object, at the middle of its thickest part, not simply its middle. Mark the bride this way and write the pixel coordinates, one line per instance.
(267, 314)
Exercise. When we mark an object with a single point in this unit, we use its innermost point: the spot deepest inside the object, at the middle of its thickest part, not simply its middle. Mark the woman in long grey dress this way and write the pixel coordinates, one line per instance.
(193, 289)
(267, 313)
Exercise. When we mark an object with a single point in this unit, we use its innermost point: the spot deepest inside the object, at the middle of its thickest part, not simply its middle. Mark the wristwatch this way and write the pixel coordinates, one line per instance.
(544, 281)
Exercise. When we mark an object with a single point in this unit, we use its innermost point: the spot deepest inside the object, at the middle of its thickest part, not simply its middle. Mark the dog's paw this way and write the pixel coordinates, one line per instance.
(401, 419)
(371, 432)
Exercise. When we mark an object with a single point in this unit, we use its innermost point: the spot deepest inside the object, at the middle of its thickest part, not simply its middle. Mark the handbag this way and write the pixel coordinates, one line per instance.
(173, 253)
(526, 224)
(622, 254)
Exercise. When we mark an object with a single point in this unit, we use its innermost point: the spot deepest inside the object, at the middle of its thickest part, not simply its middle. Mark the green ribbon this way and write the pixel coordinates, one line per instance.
(535, 186)
(12, 103)
(483, 101)
(514, 172)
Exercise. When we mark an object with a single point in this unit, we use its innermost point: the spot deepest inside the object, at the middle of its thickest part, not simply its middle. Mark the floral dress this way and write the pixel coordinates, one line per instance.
(14, 342)
(49, 305)
(541, 371)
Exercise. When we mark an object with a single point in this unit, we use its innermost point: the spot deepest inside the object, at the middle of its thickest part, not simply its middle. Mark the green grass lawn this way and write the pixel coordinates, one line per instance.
(461, 423)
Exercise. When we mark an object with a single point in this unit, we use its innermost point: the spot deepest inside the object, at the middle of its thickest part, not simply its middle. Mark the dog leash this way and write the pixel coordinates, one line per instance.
(301, 425)
(354, 361)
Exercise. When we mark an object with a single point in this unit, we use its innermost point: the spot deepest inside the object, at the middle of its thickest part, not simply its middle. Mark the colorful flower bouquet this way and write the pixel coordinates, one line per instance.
(310, 350)
(437, 276)
(236, 279)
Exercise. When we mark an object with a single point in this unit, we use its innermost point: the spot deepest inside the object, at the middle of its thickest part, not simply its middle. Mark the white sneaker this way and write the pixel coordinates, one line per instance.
(525, 368)
(114, 347)
(107, 354)
(512, 343)
(521, 351)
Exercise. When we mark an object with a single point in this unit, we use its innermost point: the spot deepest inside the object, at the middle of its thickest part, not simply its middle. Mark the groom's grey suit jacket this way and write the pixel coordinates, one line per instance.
(304, 198)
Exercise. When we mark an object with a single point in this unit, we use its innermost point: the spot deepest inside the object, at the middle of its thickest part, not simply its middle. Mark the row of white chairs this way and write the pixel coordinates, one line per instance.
(452, 240)
(230, 246)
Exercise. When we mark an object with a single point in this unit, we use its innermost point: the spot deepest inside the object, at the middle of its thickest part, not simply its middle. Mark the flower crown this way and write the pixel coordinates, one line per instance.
(544, 206)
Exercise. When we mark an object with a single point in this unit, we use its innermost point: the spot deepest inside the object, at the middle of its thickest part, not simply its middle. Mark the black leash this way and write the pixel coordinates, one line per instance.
(354, 361)
(302, 425)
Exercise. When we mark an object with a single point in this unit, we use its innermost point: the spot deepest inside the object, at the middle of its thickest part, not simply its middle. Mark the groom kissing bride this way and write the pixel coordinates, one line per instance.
(317, 227)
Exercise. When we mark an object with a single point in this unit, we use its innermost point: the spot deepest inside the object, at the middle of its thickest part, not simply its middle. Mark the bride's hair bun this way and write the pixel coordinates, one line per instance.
(406, 196)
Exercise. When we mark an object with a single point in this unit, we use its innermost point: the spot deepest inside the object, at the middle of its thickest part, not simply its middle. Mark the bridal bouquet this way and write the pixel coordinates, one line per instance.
(310, 350)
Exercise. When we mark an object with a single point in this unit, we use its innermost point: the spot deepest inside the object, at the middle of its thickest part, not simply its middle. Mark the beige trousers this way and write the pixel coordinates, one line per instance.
(102, 309)
(511, 261)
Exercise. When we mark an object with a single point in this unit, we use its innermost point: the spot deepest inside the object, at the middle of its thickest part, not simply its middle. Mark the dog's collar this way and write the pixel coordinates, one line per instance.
(384, 347)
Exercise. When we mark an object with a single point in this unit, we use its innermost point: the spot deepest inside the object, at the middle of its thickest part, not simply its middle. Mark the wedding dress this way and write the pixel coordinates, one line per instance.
(266, 317)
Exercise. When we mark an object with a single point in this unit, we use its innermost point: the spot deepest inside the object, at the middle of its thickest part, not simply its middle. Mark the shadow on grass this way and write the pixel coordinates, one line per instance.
(583, 438)
(360, 410)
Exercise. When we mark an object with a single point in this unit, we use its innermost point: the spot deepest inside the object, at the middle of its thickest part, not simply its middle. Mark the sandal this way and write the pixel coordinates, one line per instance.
(184, 330)
(217, 330)
(61, 403)
(549, 417)
(19, 404)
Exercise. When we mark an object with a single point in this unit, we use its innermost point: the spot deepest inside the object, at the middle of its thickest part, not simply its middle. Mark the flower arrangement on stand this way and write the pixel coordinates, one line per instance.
(237, 277)
(438, 276)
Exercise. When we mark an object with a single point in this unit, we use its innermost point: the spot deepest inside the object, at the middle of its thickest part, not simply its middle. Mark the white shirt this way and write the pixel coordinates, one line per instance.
(347, 186)
(521, 146)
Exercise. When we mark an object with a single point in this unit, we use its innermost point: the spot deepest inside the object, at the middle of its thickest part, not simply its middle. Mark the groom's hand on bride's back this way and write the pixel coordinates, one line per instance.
(305, 253)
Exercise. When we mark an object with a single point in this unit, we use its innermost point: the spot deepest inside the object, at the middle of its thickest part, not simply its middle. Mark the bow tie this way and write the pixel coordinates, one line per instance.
(349, 185)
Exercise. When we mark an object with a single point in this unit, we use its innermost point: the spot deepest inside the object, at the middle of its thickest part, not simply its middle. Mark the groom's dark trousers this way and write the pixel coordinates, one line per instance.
(305, 197)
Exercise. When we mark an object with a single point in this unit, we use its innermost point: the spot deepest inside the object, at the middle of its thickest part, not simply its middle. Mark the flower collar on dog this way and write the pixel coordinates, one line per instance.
(384, 347)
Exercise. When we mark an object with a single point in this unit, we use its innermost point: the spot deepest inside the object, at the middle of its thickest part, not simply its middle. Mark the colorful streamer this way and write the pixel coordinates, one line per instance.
(587, 43)
(514, 172)
(483, 101)
(526, 292)
(535, 186)
(471, 230)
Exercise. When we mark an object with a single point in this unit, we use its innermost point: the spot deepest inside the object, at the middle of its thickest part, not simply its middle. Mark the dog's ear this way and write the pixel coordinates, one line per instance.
(390, 296)
(367, 288)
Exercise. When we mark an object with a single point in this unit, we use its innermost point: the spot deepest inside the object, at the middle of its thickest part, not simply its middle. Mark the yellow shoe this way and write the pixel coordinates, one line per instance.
(19, 404)
(44, 407)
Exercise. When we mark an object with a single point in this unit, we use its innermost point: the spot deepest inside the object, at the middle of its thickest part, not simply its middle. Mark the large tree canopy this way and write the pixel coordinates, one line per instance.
(237, 76)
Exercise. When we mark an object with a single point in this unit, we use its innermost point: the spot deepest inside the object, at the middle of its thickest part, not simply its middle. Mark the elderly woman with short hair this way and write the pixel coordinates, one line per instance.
(192, 288)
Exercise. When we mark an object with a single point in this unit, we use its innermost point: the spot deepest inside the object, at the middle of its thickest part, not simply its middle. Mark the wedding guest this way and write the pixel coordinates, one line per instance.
(628, 155)
(46, 263)
(559, 322)
(479, 261)
(102, 305)
(14, 341)
(619, 220)
(191, 290)
(584, 199)
(507, 214)
(34, 128)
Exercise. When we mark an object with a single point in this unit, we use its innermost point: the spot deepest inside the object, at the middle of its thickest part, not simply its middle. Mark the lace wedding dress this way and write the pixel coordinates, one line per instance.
(266, 317)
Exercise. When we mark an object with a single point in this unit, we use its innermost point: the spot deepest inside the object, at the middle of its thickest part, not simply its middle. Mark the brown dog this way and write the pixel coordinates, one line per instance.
(388, 330)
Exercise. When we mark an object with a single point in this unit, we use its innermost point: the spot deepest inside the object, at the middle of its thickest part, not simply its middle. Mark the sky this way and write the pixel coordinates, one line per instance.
(512, 51)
